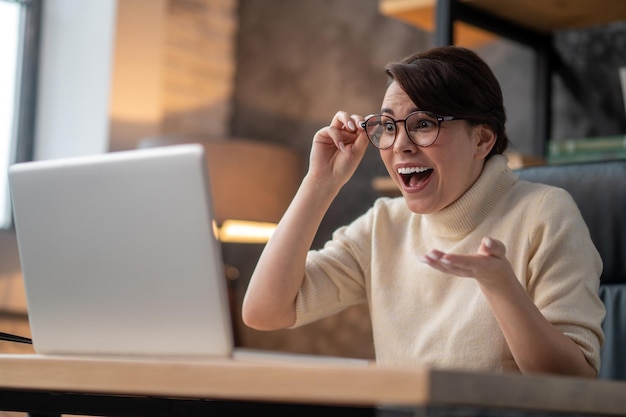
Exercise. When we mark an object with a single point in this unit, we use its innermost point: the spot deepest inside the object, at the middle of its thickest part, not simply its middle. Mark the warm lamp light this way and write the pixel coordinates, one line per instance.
(242, 231)
(251, 182)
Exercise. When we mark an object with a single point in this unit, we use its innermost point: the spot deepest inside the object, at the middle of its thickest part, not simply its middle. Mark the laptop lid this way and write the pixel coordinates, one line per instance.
(119, 256)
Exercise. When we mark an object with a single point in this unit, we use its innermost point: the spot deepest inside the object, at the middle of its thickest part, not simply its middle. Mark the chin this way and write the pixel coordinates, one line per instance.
(419, 207)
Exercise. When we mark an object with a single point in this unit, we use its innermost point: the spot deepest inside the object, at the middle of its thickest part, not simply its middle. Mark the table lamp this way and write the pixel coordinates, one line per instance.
(252, 184)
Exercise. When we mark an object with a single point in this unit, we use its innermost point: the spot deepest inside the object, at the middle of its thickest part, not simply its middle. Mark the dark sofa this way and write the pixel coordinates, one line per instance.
(599, 189)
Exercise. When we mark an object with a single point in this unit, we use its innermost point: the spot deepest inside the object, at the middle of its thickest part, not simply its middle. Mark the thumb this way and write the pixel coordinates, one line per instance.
(360, 144)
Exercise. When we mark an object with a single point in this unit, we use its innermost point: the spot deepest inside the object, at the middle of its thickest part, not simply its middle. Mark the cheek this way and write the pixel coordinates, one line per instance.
(452, 164)
(386, 157)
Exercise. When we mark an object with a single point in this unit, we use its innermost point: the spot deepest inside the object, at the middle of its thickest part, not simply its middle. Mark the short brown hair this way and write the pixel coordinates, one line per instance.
(454, 81)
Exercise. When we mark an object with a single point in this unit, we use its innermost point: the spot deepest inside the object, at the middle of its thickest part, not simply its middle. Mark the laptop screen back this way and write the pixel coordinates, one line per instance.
(119, 256)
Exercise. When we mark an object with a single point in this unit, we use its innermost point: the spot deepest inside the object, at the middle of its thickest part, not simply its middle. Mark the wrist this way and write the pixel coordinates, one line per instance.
(321, 187)
(505, 282)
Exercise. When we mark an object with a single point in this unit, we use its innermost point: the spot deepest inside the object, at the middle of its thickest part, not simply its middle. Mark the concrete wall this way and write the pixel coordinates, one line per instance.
(299, 62)
(595, 107)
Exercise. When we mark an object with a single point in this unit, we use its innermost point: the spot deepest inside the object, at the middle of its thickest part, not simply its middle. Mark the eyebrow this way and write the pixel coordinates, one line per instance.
(390, 111)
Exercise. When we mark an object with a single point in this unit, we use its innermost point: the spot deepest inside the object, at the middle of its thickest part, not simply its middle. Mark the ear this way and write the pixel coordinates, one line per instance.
(485, 139)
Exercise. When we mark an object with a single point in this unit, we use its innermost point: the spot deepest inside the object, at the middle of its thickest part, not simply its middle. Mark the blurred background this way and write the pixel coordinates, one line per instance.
(116, 74)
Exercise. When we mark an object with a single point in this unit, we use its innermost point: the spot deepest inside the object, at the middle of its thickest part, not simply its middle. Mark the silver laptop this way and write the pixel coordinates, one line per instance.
(119, 256)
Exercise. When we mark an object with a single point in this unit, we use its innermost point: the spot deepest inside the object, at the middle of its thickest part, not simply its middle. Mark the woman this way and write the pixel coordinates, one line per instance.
(471, 269)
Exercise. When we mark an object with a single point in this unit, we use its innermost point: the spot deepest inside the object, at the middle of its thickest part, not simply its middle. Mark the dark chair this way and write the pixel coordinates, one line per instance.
(599, 189)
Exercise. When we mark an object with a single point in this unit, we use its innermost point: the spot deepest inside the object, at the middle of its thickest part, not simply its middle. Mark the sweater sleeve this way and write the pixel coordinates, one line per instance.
(335, 276)
(564, 272)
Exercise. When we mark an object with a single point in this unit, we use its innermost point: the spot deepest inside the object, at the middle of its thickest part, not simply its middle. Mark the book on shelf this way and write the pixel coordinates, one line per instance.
(587, 150)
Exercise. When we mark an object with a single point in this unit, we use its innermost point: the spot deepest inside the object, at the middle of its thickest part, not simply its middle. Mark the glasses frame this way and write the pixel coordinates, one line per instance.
(440, 120)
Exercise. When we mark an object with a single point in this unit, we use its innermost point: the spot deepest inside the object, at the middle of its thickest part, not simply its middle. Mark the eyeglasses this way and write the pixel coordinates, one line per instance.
(422, 127)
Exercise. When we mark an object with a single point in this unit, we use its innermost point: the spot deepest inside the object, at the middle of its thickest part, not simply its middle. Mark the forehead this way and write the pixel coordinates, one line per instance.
(396, 99)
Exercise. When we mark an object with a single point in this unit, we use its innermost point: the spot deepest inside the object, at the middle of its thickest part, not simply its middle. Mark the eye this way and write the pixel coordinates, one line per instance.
(421, 122)
(389, 127)
(425, 124)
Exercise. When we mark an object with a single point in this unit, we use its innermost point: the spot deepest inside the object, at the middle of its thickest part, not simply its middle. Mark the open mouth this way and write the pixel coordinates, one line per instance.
(413, 177)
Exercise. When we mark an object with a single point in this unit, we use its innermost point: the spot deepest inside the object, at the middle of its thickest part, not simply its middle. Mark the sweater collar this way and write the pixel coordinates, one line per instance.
(462, 216)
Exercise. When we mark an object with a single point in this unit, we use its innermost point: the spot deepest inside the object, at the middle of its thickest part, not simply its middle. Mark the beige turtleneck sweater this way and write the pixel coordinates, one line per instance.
(425, 317)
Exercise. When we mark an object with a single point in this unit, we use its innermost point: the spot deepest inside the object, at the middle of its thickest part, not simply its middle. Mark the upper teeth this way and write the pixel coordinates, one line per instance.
(412, 170)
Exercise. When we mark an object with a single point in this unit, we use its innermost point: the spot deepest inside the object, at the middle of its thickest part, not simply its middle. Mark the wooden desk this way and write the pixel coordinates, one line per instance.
(234, 387)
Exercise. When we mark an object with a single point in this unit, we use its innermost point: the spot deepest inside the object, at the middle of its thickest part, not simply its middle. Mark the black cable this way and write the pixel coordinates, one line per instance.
(8, 337)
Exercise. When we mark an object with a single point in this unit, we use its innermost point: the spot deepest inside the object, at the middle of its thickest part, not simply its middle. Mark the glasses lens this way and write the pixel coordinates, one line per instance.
(381, 130)
(423, 128)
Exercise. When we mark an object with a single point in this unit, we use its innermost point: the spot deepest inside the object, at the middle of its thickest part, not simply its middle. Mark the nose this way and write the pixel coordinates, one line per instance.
(403, 143)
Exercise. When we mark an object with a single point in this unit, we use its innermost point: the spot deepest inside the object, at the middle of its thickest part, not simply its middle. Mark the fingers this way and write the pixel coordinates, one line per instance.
(338, 148)
(345, 130)
(344, 121)
(460, 265)
(490, 256)
(492, 247)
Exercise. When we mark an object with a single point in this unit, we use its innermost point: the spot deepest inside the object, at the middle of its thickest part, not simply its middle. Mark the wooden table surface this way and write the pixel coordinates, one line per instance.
(309, 382)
